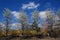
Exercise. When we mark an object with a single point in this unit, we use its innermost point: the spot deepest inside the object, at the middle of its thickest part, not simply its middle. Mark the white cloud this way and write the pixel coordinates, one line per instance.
(15, 26)
(39, 25)
(43, 15)
(31, 5)
(16, 14)
(2, 26)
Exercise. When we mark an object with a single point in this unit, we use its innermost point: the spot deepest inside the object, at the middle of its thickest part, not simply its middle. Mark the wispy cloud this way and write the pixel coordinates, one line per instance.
(16, 14)
(30, 5)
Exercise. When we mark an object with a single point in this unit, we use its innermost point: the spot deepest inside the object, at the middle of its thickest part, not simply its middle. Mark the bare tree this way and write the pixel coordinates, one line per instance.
(23, 19)
(7, 19)
(35, 16)
(50, 17)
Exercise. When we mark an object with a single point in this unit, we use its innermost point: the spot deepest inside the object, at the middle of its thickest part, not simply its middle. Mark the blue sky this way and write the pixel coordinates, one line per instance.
(16, 5)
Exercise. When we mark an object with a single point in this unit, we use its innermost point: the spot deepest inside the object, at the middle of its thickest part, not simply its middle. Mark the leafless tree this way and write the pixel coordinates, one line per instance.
(35, 16)
(7, 13)
(50, 16)
(50, 20)
(23, 19)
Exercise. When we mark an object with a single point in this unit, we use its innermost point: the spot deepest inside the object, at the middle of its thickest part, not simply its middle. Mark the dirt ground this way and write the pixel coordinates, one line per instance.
(38, 39)
(33, 38)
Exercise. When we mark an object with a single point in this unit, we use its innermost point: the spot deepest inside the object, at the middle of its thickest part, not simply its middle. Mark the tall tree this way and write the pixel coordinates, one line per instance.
(35, 16)
(23, 19)
(7, 13)
(50, 21)
(50, 16)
